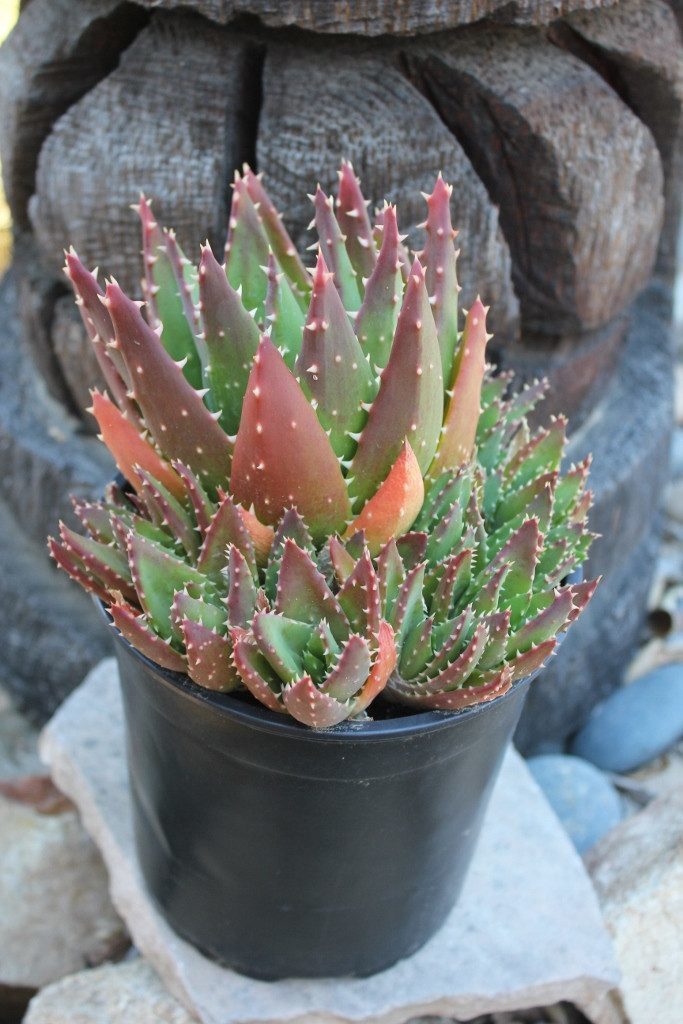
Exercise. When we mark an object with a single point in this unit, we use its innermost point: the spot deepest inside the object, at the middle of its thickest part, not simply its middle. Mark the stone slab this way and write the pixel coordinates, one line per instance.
(527, 930)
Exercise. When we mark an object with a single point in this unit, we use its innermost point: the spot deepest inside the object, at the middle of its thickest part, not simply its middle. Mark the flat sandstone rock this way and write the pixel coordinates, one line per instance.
(527, 930)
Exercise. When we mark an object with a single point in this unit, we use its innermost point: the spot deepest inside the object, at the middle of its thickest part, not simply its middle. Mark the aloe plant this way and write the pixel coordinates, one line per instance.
(329, 494)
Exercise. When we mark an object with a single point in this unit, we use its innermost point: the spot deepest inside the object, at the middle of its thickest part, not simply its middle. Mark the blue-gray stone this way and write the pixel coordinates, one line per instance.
(636, 723)
(582, 798)
(677, 452)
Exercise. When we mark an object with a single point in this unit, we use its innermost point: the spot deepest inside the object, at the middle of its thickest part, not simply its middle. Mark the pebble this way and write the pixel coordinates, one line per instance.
(583, 799)
(636, 723)
(637, 871)
(677, 453)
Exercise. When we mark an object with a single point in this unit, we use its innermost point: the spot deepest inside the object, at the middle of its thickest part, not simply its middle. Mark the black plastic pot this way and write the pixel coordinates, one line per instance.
(281, 851)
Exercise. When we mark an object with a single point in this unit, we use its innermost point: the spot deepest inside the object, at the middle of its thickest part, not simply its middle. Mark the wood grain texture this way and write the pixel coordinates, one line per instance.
(56, 53)
(638, 48)
(172, 120)
(365, 110)
(380, 17)
(37, 292)
(577, 175)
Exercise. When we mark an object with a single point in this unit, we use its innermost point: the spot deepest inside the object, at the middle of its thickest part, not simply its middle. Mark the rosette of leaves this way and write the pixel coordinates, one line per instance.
(328, 494)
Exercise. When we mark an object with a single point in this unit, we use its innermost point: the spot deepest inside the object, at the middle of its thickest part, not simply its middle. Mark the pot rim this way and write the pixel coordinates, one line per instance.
(263, 719)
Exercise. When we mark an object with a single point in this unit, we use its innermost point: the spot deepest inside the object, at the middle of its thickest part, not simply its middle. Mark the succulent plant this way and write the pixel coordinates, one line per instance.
(328, 494)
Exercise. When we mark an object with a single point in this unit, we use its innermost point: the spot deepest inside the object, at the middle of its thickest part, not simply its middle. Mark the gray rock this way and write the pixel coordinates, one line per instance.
(18, 742)
(500, 949)
(637, 871)
(128, 993)
(636, 724)
(56, 913)
(583, 799)
(677, 453)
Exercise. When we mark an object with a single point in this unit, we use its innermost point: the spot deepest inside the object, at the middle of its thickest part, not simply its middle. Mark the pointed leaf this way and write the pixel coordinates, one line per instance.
(230, 339)
(394, 506)
(168, 293)
(334, 251)
(456, 673)
(130, 449)
(543, 453)
(72, 565)
(354, 222)
(157, 575)
(282, 642)
(282, 457)
(209, 658)
(96, 517)
(242, 593)
(515, 502)
(331, 365)
(342, 561)
(581, 596)
(103, 561)
(226, 528)
(197, 610)
(489, 685)
(498, 626)
(416, 652)
(378, 314)
(409, 607)
(391, 574)
(291, 525)
(247, 249)
(448, 646)
(452, 582)
(175, 413)
(543, 626)
(100, 330)
(351, 670)
(256, 674)
(261, 535)
(409, 403)
(166, 511)
(135, 628)
(439, 257)
(201, 504)
(311, 707)
(462, 412)
(382, 667)
(303, 593)
(520, 555)
(378, 235)
(359, 597)
(284, 316)
(532, 660)
(280, 242)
